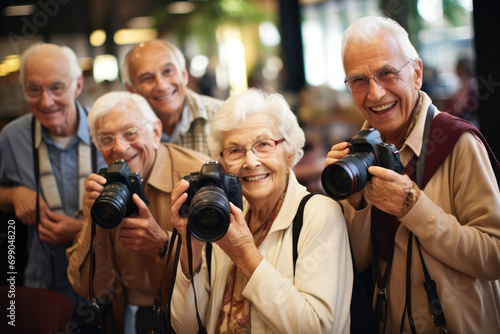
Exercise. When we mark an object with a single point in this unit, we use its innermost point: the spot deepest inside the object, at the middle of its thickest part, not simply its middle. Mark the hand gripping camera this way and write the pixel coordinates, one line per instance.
(350, 174)
(207, 206)
(115, 201)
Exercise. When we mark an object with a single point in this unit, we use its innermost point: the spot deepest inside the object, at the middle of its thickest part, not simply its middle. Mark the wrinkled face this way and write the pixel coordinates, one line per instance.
(140, 155)
(262, 179)
(387, 109)
(156, 76)
(48, 70)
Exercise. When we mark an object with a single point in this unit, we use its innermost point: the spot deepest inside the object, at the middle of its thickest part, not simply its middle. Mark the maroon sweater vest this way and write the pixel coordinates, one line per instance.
(444, 134)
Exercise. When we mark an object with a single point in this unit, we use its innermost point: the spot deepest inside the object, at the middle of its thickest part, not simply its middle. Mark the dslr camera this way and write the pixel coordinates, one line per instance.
(350, 174)
(115, 201)
(207, 206)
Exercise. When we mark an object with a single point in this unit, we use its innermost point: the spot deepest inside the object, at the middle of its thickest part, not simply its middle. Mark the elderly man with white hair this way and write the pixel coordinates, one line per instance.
(130, 257)
(432, 233)
(45, 157)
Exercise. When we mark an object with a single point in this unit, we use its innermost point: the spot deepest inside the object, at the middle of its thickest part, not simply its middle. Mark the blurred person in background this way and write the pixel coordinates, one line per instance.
(463, 102)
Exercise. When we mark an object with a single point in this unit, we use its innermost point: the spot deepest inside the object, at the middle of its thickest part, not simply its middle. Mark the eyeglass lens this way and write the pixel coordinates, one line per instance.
(261, 149)
(107, 141)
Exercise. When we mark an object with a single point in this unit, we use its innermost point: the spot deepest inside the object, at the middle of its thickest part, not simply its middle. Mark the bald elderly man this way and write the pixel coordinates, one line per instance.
(157, 70)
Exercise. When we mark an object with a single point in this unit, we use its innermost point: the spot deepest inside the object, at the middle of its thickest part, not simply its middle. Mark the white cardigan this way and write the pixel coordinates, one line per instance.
(316, 301)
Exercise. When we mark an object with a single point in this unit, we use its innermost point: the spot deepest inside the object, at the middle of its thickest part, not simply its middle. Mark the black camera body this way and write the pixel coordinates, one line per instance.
(115, 200)
(207, 206)
(350, 174)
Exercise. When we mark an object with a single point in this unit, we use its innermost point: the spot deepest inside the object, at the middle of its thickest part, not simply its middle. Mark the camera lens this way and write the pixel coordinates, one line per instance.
(208, 216)
(109, 208)
(348, 175)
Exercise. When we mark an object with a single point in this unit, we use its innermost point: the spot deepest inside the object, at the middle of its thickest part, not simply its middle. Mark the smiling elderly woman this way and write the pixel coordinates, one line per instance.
(253, 286)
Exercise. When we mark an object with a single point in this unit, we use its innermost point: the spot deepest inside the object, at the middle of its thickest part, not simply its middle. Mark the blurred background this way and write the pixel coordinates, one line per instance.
(288, 46)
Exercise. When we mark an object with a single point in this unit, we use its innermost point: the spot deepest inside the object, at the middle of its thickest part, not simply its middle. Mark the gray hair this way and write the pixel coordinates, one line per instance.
(366, 28)
(234, 111)
(110, 101)
(74, 67)
(125, 68)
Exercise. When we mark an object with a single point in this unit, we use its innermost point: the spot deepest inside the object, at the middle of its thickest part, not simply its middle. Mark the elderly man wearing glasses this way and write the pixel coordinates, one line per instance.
(433, 233)
(130, 256)
(47, 155)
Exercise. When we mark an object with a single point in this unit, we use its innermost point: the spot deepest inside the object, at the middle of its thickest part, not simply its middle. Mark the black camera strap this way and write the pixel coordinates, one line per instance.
(99, 322)
(36, 165)
(429, 284)
(201, 328)
(163, 318)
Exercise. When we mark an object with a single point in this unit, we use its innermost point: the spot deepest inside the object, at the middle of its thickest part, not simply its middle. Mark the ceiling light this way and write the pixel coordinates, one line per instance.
(134, 36)
(12, 63)
(19, 10)
(105, 68)
(97, 37)
(198, 66)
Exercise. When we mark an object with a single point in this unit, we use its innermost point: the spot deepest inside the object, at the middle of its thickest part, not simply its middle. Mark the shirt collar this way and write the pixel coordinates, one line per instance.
(181, 127)
(83, 133)
(414, 140)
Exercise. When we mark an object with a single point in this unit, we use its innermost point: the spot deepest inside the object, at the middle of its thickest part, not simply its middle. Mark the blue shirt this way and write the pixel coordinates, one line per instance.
(47, 264)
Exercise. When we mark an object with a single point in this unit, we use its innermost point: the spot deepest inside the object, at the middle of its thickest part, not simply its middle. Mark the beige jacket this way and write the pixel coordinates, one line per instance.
(120, 273)
(457, 221)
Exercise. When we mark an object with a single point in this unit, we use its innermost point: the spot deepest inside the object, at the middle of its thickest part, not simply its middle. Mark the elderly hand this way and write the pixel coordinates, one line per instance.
(179, 196)
(388, 190)
(94, 184)
(339, 151)
(140, 232)
(57, 229)
(24, 202)
(239, 245)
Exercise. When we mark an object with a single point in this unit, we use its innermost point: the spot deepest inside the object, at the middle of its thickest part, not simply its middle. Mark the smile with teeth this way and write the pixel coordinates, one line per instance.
(256, 178)
(164, 97)
(383, 107)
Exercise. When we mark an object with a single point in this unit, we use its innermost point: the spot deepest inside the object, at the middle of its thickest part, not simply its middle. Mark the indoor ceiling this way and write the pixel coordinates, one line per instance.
(49, 17)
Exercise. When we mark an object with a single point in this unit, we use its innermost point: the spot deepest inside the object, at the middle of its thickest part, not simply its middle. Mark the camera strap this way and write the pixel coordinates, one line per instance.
(201, 328)
(45, 179)
(429, 284)
(163, 323)
(99, 322)
(415, 169)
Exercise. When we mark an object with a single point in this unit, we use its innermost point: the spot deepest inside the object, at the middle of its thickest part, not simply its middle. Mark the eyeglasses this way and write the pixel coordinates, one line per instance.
(386, 78)
(261, 149)
(56, 90)
(107, 141)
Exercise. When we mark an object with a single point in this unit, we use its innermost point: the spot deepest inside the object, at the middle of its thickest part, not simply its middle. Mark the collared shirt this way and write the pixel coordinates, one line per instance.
(17, 168)
(456, 222)
(119, 269)
(194, 126)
